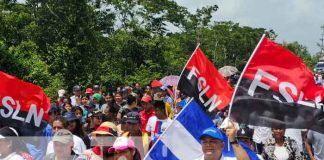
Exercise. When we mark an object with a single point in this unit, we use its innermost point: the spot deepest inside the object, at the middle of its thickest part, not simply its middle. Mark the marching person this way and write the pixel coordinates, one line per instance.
(315, 141)
(147, 112)
(73, 124)
(157, 124)
(124, 149)
(76, 98)
(244, 135)
(61, 123)
(63, 144)
(131, 106)
(212, 142)
(103, 137)
(9, 144)
(93, 121)
(280, 147)
(260, 137)
(133, 132)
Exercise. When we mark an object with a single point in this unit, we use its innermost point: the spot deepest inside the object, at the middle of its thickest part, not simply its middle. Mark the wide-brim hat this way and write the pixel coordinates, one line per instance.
(108, 128)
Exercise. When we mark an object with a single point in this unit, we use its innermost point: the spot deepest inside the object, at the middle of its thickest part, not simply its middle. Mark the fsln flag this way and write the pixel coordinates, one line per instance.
(181, 139)
(277, 89)
(201, 80)
(22, 105)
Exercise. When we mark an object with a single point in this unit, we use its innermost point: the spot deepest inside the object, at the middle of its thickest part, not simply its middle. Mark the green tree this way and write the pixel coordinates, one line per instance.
(68, 36)
(225, 43)
(145, 74)
(60, 43)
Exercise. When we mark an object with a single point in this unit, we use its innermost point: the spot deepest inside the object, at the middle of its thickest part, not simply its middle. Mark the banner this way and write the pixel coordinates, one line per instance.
(201, 80)
(22, 105)
(277, 89)
(186, 130)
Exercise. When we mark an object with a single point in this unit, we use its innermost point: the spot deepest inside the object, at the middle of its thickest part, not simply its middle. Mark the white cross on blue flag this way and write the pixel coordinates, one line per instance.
(181, 139)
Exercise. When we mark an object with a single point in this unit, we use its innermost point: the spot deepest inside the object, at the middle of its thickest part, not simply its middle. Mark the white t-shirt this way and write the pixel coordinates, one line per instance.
(73, 101)
(78, 147)
(296, 135)
(156, 126)
(261, 134)
(281, 153)
(13, 156)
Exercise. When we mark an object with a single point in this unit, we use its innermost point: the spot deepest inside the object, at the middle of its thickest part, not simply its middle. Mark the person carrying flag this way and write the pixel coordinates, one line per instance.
(212, 143)
(158, 123)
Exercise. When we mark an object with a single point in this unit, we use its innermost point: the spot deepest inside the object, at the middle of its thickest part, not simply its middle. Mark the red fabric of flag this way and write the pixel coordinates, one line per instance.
(201, 80)
(22, 104)
(278, 90)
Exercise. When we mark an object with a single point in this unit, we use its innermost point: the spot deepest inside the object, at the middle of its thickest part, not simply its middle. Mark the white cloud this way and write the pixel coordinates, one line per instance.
(292, 20)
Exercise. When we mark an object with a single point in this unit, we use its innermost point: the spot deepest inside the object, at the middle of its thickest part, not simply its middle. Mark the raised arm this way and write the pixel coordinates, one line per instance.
(238, 150)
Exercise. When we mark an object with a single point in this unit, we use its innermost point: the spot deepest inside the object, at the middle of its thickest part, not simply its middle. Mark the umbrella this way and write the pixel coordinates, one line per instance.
(171, 80)
(156, 83)
(228, 71)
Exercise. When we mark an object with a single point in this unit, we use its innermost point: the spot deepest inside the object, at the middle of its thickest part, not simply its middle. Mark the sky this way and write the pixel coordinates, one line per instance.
(292, 20)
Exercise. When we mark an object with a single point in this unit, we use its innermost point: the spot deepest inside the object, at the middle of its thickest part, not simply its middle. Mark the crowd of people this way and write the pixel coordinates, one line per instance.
(125, 123)
(91, 124)
(108, 125)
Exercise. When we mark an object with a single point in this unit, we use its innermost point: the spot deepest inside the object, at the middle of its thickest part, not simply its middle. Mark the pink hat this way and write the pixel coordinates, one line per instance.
(146, 98)
(121, 144)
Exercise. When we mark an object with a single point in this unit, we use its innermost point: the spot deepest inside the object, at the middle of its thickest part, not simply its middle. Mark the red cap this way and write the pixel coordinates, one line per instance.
(146, 98)
(89, 91)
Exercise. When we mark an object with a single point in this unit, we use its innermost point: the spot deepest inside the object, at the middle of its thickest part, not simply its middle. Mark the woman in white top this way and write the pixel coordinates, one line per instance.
(280, 147)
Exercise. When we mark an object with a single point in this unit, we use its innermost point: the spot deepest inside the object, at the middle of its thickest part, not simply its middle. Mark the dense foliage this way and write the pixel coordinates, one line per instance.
(60, 43)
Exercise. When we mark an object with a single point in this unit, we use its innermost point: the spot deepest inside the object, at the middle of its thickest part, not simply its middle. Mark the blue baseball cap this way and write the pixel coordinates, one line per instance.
(212, 132)
(70, 116)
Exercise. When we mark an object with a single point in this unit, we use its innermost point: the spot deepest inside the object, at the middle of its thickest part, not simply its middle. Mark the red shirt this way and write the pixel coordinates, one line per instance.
(145, 117)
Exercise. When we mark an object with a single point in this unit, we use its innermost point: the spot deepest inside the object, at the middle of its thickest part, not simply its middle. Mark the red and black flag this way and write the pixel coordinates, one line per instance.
(201, 80)
(22, 105)
(278, 90)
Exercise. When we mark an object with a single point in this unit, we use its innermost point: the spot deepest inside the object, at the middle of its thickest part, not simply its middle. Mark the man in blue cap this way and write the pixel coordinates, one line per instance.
(212, 142)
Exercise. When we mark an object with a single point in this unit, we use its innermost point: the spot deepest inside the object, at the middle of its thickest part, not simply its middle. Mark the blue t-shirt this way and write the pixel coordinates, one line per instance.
(39, 151)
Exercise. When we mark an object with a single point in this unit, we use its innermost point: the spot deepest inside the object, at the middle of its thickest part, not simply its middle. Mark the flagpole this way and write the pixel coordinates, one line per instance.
(188, 62)
(148, 153)
(159, 139)
(238, 82)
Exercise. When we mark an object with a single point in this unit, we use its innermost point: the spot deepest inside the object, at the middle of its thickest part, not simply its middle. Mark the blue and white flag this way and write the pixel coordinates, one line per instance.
(181, 139)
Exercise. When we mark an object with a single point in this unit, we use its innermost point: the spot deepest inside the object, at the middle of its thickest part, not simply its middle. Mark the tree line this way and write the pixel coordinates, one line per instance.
(60, 43)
